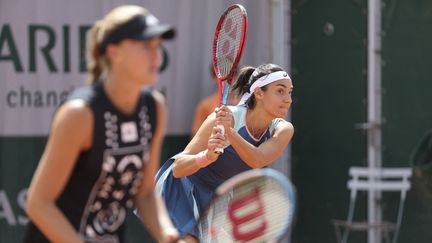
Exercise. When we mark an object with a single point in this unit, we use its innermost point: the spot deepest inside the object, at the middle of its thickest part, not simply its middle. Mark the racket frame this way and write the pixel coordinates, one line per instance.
(246, 176)
(225, 81)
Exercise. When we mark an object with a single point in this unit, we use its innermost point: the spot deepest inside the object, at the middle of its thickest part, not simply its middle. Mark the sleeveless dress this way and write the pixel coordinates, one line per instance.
(187, 197)
(108, 175)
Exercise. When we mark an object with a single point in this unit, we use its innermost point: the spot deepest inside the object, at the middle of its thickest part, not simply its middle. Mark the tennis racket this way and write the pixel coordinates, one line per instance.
(254, 206)
(228, 44)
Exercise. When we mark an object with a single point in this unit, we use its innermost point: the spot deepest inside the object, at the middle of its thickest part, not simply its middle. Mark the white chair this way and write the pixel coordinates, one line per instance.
(374, 180)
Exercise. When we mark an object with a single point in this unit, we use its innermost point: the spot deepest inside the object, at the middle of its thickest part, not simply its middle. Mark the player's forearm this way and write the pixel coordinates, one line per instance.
(52, 222)
(185, 165)
(164, 219)
(153, 214)
(250, 154)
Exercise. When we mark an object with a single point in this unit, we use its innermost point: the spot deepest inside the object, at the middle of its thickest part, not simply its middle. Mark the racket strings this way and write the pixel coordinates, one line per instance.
(264, 211)
(228, 42)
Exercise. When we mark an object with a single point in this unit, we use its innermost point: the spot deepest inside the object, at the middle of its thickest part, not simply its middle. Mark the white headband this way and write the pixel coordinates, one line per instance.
(263, 81)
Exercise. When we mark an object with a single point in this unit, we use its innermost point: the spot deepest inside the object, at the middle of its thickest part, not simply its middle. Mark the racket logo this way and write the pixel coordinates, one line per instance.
(247, 217)
(230, 30)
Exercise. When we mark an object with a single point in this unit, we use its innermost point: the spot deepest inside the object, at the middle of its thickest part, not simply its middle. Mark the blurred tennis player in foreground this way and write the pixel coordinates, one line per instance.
(104, 146)
(255, 135)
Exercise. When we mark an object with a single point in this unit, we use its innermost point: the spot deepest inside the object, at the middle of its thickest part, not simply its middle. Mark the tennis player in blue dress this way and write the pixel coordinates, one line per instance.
(256, 134)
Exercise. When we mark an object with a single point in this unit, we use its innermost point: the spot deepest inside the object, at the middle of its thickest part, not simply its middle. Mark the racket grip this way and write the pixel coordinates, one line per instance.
(222, 128)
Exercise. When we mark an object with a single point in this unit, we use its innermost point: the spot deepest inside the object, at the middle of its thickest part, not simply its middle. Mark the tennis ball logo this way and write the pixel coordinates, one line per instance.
(229, 43)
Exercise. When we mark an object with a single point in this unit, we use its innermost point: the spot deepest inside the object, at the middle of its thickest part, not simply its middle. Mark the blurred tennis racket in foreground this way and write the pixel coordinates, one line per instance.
(254, 206)
(228, 44)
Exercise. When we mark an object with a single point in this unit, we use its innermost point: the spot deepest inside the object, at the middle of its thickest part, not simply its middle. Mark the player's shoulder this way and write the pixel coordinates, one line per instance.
(73, 115)
(86, 93)
(157, 96)
(75, 109)
(78, 102)
(237, 109)
(283, 125)
(153, 98)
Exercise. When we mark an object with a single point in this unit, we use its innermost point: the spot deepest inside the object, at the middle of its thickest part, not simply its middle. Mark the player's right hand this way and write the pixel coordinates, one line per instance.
(215, 141)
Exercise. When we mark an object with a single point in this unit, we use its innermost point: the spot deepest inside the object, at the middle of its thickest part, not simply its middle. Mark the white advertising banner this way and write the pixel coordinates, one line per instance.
(42, 56)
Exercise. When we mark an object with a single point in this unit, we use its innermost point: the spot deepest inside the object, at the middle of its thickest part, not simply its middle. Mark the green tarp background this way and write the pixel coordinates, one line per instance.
(330, 72)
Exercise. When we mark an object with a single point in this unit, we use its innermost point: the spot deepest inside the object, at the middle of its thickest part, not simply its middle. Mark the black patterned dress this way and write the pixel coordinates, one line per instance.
(108, 175)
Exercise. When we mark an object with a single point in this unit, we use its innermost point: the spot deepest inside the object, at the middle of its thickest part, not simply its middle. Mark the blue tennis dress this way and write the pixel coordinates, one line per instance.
(187, 197)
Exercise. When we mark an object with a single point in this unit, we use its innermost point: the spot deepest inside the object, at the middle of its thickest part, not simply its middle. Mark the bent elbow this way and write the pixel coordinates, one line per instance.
(257, 164)
(35, 205)
(176, 173)
(258, 161)
(31, 205)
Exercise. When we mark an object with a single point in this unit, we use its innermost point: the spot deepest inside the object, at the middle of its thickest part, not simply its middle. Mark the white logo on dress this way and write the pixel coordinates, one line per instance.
(129, 132)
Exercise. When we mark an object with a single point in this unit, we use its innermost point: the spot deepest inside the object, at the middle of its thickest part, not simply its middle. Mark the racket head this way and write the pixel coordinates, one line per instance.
(229, 41)
(254, 206)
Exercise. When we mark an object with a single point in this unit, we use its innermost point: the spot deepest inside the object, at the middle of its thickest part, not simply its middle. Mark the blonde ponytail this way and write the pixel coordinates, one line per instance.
(95, 61)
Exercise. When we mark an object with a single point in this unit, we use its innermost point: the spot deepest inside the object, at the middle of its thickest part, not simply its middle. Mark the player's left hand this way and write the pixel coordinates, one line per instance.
(170, 235)
(224, 117)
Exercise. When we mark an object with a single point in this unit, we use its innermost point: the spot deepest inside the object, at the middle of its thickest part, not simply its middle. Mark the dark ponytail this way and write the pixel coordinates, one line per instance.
(248, 75)
(242, 84)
